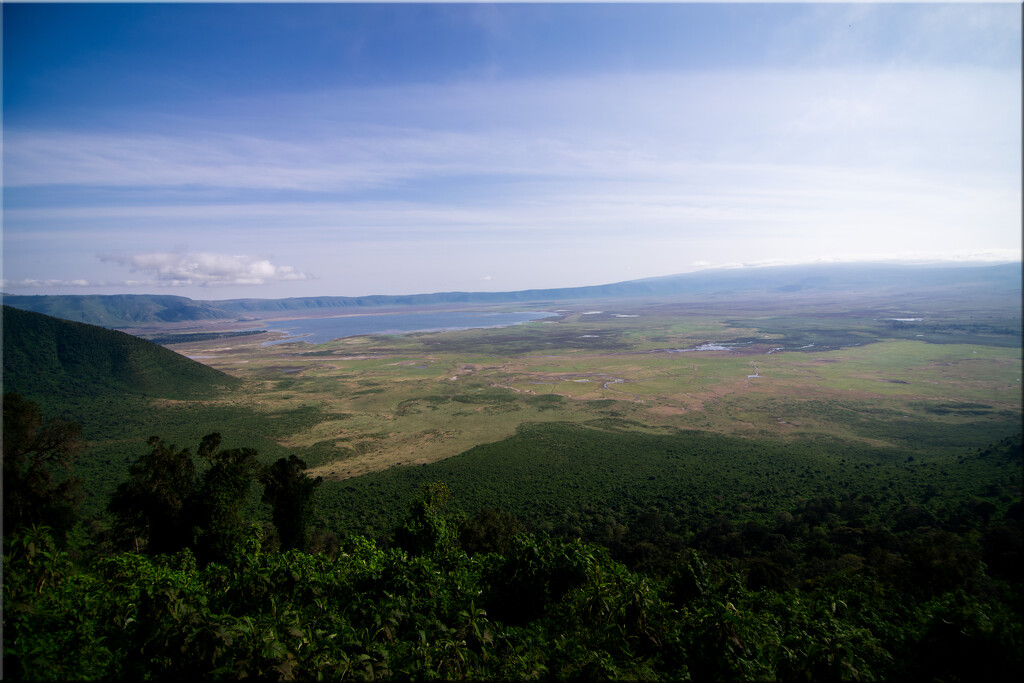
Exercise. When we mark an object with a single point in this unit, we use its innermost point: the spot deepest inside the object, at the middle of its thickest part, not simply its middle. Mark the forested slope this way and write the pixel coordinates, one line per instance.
(119, 310)
(46, 358)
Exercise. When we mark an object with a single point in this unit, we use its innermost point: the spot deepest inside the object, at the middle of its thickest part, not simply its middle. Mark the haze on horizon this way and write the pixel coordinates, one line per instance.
(268, 151)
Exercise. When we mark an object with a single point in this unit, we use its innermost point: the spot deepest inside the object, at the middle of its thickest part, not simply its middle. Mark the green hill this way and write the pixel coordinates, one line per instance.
(119, 310)
(49, 359)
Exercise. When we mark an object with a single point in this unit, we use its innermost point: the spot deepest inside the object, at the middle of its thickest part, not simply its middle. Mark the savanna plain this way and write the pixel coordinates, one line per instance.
(882, 379)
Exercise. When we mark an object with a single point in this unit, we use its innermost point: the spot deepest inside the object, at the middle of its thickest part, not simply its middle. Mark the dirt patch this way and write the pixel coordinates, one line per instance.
(667, 411)
(419, 449)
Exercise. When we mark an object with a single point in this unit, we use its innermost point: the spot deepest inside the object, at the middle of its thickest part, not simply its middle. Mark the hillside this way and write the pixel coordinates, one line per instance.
(49, 358)
(126, 310)
(119, 310)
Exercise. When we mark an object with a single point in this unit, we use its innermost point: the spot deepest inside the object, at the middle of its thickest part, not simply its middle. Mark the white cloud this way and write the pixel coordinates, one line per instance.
(907, 258)
(30, 283)
(205, 269)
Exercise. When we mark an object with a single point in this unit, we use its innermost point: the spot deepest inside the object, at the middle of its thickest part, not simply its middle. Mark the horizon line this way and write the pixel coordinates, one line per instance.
(904, 262)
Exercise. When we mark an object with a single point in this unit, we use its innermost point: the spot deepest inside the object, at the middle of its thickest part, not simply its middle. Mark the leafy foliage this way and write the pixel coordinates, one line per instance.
(289, 492)
(34, 453)
(166, 506)
(425, 530)
(548, 608)
(222, 493)
(620, 556)
(153, 508)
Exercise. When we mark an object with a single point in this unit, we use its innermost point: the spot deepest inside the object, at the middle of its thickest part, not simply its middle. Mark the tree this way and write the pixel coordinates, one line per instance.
(425, 530)
(33, 450)
(490, 531)
(220, 498)
(165, 507)
(289, 491)
(153, 508)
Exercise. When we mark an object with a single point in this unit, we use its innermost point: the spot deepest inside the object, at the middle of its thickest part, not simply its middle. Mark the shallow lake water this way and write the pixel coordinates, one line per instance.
(321, 330)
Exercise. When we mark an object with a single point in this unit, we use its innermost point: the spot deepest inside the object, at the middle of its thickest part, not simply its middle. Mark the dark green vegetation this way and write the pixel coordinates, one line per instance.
(587, 480)
(839, 330)
(165, 507)
(186, 337)
(37, 456)
(106, 382)
(867, 586)
(710, 285)
(58, 360)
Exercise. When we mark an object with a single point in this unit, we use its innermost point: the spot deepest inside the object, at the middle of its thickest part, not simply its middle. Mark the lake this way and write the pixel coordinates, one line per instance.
(321, 330)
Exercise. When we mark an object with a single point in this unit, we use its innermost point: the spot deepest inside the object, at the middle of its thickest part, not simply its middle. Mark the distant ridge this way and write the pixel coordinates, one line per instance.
(126, 310)
(118, 310)
(720, 282)
(48, 359)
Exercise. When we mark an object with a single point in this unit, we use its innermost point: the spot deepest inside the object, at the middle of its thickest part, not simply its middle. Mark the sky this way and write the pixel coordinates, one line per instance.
(261, 150)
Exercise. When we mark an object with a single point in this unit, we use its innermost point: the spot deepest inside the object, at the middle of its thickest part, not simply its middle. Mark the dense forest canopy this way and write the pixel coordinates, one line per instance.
(185, 583)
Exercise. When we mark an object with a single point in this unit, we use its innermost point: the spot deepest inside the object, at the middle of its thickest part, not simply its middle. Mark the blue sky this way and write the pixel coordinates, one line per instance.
(255, 150)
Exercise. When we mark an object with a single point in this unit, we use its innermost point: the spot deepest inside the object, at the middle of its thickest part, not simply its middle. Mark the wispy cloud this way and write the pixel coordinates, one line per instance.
(205, 269)
(612, 126)
(754, 199)
(29, 283)
(907, 258)
(220, 161)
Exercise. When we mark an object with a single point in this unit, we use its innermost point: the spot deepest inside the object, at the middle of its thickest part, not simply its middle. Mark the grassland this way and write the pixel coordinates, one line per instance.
(371, 403)
(802, 372)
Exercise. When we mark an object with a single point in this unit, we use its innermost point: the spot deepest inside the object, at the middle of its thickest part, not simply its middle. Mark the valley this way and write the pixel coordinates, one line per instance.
(733, 464)
(512, 342)
(411, 399)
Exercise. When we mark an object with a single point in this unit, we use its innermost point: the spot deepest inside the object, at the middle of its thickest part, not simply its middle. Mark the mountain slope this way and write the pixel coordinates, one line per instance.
(723, 283)
(49, 358)
(119, 310)
(818, 279)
